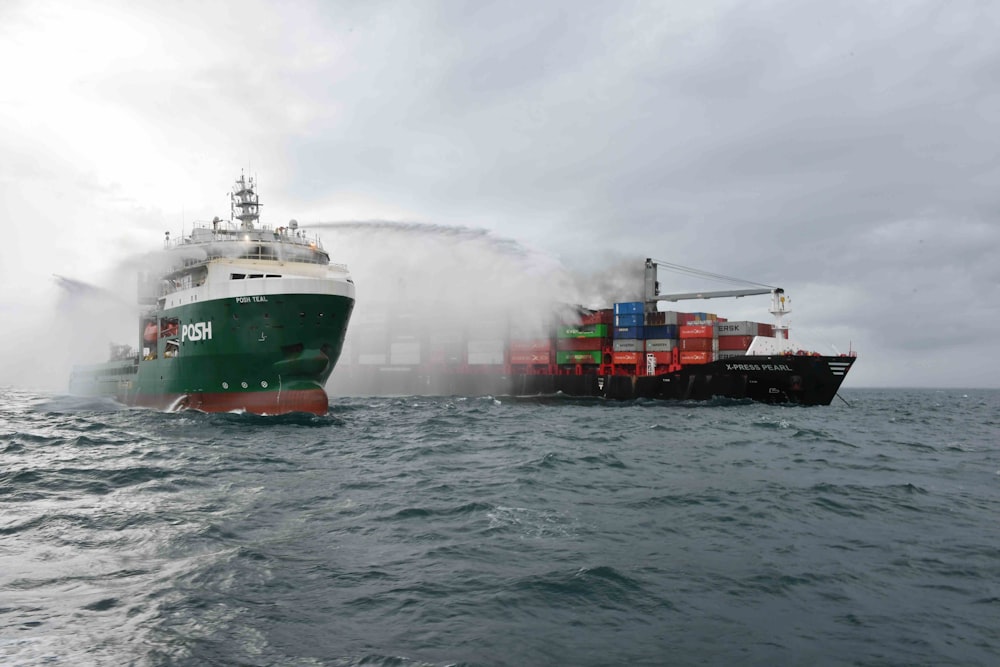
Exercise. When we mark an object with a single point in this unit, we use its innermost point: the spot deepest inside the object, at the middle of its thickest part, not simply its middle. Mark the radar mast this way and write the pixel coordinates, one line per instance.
(245, 205)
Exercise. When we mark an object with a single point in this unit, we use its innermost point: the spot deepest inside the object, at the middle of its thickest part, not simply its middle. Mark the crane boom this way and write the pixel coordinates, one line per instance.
(651, 291)
(710, 295)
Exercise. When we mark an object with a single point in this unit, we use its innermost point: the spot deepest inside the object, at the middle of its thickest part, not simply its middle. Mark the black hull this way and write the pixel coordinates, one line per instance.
(803, 380)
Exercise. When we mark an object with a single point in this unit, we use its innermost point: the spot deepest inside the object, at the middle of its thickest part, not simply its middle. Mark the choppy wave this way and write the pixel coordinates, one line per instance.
(503, 531)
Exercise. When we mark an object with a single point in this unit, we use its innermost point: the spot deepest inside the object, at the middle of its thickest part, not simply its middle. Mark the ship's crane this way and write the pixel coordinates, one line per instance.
(780, 304)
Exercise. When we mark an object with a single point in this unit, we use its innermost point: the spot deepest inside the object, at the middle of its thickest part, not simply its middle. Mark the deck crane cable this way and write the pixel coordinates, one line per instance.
(677, 268)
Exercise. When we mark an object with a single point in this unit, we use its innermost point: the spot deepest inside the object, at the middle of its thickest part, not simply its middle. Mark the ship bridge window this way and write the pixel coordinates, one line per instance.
(237, 276)
(272, 275)
(256, 275)
(259, 252)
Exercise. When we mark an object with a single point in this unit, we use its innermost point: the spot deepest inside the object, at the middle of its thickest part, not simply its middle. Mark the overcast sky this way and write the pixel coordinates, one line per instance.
(848, 151)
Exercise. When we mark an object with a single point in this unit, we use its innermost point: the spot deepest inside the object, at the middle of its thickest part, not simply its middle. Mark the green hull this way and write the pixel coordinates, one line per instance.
(265, 354)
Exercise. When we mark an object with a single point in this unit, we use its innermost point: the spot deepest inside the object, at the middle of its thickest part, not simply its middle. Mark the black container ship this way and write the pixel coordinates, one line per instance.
(627, 351)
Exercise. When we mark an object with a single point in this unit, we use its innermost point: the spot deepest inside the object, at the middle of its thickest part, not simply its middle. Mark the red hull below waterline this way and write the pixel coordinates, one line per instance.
(314, 401)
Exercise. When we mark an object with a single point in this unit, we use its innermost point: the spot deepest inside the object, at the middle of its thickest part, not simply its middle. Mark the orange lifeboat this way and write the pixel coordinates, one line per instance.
(149, 333)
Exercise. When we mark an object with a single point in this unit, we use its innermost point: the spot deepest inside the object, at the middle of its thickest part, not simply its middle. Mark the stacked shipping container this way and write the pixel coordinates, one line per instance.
(622, 339)
(628, 335)
(661, 337)
(735, 337)
(698, 342)
(581, 344)
(531, 352)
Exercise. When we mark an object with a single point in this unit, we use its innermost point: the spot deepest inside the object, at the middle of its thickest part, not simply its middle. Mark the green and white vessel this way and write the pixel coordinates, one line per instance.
(237, 316)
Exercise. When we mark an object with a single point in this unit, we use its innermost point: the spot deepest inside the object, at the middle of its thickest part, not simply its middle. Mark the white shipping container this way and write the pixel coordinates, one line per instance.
(368, 338)
(368, 345)
(450, 347)
(404, 353)
(486, 352)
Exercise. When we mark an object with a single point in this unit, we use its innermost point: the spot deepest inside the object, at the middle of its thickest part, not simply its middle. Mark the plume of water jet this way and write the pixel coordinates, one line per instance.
(437, 287)
(457, 275)
(71, 322)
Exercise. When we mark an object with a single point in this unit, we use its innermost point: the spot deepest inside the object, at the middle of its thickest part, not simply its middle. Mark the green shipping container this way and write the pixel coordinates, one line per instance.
(583, 331)
(576, 357)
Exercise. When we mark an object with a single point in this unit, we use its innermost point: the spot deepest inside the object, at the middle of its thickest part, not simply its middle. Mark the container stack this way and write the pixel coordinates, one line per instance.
(371, 341)
(404, 351)
(699, 342)
(486, 343)
(533, 352)
(661, 335)
(735, 337)
(620, 340)
(628, 334)
(403, 344)
(603, 316)
(580, 344)
(446, 344)
(486, 352)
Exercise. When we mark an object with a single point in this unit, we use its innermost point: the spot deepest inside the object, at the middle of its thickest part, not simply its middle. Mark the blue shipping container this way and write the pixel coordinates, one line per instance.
(662, 331)
(627, 332)
(629, 308)
(633, 320)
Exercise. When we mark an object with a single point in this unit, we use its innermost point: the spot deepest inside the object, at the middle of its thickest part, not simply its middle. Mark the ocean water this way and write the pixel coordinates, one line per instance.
(501, 531)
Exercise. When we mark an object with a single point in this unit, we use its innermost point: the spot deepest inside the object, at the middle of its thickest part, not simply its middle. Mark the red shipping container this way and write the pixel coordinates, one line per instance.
(698, 344)
(697, 331)
(578, 344)
(530, 358)
(540, 345)
(697, 357)
(684, 318)
(606, 316)
(765, 329)
(627, 358)
(734, 342)
(662, 358)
